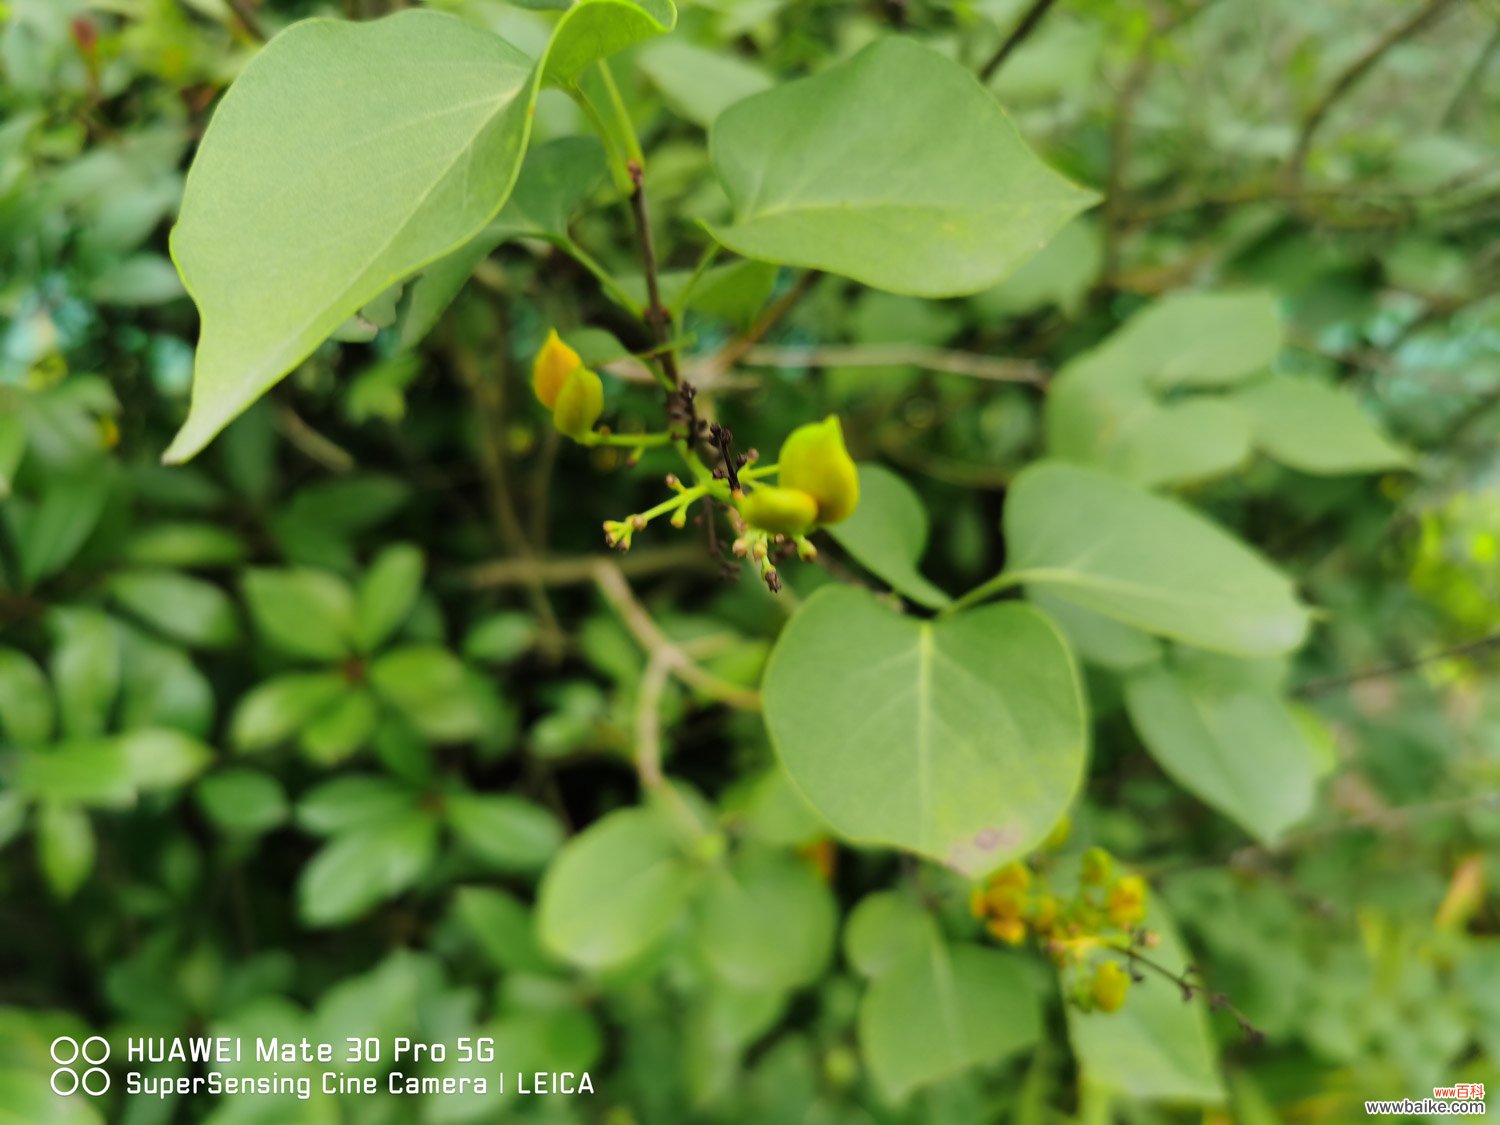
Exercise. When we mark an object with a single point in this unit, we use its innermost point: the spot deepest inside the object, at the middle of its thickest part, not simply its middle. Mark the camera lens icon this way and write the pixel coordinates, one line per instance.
(68, 1052)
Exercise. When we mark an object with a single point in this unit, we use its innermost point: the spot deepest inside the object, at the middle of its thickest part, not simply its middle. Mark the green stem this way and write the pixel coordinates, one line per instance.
(618, 163)
(622, 115)
(602, 275)
(630, 441)
(1002, 581)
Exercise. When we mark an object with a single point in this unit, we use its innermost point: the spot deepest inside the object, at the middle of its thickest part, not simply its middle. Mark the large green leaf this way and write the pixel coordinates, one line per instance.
(556, 178)
(1177, 442)
(86, 670)
(1228, 737)
(345, 157)
(510, 833)
(885, 929)
(1316, 428)
(27, 717)
(887, 534)
(64, 847)
(962, 739)
(895, 168)
(766, 921)
(614, 891)
(1109, 406)
(306, 613)
(429, 686)
(386, 594)
(1150, 562)
(186, 609)
(1190, 340)
(359, 868)
(943, 1009)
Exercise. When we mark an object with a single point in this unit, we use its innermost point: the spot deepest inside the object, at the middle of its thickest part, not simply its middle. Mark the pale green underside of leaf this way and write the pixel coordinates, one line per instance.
(1316, 428)
(1107, 406)
(961, 739)
(1146, 561)
(346, 157)
(887, 534)
(1236, 746)
(894, 168)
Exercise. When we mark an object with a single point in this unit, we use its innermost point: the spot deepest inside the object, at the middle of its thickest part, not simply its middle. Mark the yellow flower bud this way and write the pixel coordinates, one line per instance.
(1109, 986)
(1014, 874)
(814, 460)
(978, 902)
(1012, 931)
(1005, 902)
(785, 511)
(1127, 901)
(1097, 866)
(579, 404)
(1044, 913)
(551, 368)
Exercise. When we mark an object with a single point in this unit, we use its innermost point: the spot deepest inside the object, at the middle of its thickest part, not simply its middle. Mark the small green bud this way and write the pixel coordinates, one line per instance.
(1097, 867)
(815, 461)
(579, 404)
(1109, 986)
(551, 368)
(782, 511)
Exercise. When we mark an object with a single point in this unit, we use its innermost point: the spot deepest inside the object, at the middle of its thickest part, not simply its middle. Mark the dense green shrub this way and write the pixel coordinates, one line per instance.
(1088, 714)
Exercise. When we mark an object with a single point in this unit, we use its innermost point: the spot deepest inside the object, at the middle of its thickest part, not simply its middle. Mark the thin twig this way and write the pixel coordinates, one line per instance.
(901, 355)
(1350, 77)
(648, 723)
(1471, 81)
(487, 395)
(1190, 987)
(1029, 19)
(658, 317)
(735, 350)
(616, 590)
(324, 450)
(632, 370)
(576, 571)
(1468, 648)
(248, 19)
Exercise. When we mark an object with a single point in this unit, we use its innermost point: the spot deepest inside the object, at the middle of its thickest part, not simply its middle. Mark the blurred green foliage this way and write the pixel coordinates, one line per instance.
(290, 737)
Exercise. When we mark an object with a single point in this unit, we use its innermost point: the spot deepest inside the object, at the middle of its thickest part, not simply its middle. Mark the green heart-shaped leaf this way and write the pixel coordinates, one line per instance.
(962, 739)
(345, 158)
(895, 168)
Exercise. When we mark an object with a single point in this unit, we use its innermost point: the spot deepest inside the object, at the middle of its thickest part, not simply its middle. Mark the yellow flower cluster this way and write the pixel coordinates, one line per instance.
(1103, 913)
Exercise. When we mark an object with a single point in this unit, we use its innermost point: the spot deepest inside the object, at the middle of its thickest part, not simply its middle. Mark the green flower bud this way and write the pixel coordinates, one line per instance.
(1109, 986)
(815, 461)
(579, 404)
(783, 511)
(551, 368)
(1097, 867)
